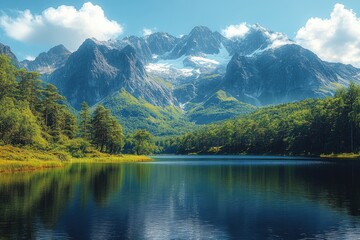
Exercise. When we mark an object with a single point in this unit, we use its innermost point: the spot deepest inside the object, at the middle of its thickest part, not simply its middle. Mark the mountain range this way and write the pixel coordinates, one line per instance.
(169, 84)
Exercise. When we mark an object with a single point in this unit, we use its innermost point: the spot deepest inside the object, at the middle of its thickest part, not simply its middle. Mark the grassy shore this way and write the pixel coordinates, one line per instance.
(341, 156)
(13, 159)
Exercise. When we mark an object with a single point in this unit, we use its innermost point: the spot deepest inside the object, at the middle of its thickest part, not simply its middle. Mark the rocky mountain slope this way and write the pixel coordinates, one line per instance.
(95, 71)
(202, 77)
(7, 51)
(47, 62)
(285, 74)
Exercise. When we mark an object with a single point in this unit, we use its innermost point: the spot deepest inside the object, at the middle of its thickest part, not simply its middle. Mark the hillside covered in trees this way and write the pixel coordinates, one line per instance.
(314, 126)
(33, 114)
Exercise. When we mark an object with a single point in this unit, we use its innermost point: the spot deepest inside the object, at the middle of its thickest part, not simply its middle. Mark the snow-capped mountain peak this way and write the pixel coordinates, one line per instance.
(276, 39)
(258, 39)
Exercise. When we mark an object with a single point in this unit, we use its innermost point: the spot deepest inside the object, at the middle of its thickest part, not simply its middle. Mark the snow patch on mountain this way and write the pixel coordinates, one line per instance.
(187, 66)
(169, 67)
(223, 57)
(276, 39)
(166, 69)
(204, 61)
(279, 40)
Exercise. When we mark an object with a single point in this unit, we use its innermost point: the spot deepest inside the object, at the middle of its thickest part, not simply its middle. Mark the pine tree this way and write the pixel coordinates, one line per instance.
(116, 139)
(85, 121)
(30, 89)
(107, 133)
(99, 127)
(8, 84)
(28, 111)
(51, 109)
(69, 127)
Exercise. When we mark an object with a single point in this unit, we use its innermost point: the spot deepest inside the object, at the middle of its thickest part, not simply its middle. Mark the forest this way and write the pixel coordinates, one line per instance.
(34, 115)
(308, 127)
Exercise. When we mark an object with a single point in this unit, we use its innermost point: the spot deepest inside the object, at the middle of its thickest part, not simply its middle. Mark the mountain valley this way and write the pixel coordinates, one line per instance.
(161, 82)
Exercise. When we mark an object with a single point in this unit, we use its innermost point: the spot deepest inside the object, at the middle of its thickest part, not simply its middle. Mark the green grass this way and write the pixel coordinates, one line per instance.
(342, 156)
(97, 157)
(14, 159)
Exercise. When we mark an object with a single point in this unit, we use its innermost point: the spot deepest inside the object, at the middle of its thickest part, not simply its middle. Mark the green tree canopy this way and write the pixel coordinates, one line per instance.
(85, 120)
(107, 133)
(143, 142)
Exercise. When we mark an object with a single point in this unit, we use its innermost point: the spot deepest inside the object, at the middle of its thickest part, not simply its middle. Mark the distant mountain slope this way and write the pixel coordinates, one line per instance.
(134, 113)
(201, 40)
(257, 39)
(160, 81)
(161, 43)
(139, 44)
(7, 51)
(47, 62)
(148, 47)
(95, 71)
(218, 107)
(285, 74)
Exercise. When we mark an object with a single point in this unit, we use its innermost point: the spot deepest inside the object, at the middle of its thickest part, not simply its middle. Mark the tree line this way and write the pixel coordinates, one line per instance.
(106, 133)
(33, 113)
(312, 126)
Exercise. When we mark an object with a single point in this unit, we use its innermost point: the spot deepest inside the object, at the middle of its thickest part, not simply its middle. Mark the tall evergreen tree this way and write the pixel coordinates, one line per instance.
(85, 120)
(30, 89)
(115, 142)
(107, 133)
(99, 128)
(52, 111)
(8, 84)
(69, 126)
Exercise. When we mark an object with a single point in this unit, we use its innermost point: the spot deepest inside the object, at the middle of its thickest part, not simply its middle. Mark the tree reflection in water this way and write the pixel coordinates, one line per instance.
(119, 198)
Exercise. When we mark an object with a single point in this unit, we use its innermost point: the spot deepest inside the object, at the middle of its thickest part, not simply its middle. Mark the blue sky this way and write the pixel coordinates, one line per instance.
(177, 16)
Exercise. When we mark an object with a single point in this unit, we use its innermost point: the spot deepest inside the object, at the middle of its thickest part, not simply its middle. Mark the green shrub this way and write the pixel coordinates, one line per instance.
(78, 147)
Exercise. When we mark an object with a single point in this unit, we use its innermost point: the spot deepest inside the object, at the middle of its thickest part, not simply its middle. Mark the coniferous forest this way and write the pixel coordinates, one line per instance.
(310, 127)
(33, 114)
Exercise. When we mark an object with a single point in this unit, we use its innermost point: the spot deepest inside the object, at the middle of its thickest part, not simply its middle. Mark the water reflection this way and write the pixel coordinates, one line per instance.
(184, 198)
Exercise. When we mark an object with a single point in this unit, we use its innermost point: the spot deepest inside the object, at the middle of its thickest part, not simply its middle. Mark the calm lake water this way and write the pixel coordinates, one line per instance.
(220, 197)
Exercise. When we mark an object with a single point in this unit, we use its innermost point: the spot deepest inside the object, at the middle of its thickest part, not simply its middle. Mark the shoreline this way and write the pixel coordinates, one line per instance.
(14, 159)
(351, 156)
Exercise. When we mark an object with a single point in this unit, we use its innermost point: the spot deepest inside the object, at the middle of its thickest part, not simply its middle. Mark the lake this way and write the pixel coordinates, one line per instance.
(193, 197)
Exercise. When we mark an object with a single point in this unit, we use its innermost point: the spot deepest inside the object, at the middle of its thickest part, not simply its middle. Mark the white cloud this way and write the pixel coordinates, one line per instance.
(278, 39)
(147, 31)
(235, 31)
(30, 58)
(275, 39)
(336, 39)
(63, 25)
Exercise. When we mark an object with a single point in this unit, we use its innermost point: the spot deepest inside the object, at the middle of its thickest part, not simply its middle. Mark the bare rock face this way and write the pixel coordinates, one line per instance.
(201, 40)
(47, 62)
(96, 71)
(204, 75)
(7, 51)
(285, 74)
(161, 43)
